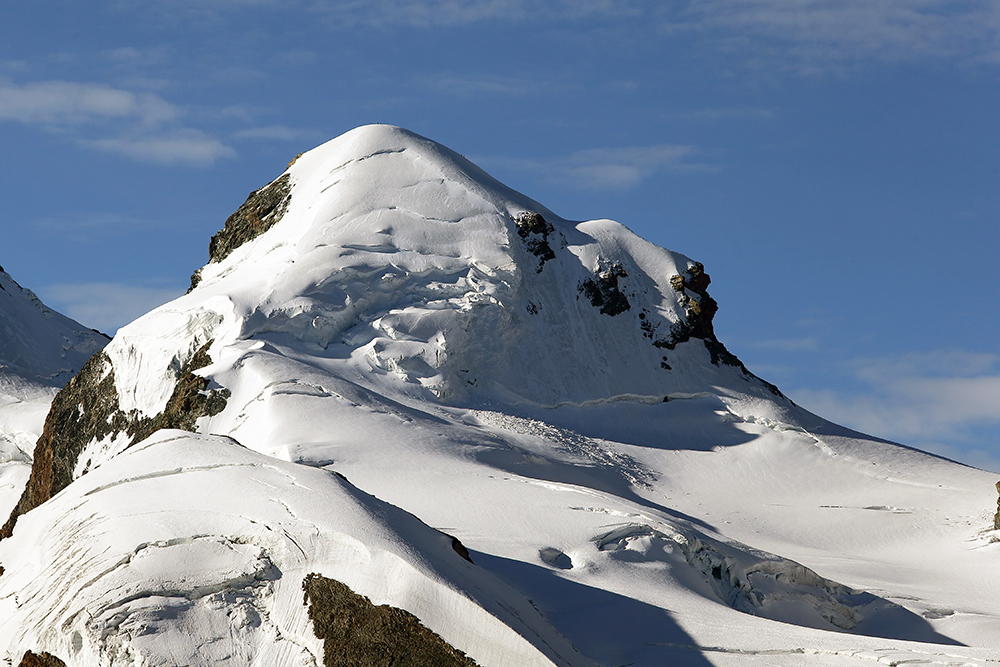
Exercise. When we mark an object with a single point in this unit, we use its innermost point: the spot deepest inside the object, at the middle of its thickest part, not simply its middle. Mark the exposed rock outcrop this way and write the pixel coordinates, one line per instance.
(357, 633)
(700, 309)
(603, 291)
(262, 209)
(534, 230)
(87, 410)
(42, 659)
(996, 517)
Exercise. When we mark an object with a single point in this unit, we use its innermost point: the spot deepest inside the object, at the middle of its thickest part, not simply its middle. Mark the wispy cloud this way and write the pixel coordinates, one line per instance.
(106, 306)
(471, 86)
(789, 344)
(86, 224)
(805, 36)
(430, 13)
(932, 400)
(176, 147)
(13, 66)
(278, 132)
(817, 35)
(751, 113)
(802, 35)
(608, 168)
(65, 103)
(138, 125)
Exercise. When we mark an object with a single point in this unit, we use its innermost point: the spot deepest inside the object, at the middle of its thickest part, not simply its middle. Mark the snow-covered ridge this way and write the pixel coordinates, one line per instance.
(548, 392)
(38, 344)
(402, 254)
(400, 262)
(111, 580)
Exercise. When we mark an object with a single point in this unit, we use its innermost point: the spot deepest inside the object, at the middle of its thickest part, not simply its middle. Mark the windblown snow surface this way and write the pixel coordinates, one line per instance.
(40, 350)
(539, 389)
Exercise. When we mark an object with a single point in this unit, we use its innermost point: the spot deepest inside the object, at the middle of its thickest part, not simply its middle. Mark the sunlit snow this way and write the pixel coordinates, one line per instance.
(403, 368)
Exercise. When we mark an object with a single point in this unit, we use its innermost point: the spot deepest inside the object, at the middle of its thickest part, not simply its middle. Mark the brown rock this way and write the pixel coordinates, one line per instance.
(996, 517)
(357, 633)
(42, 659)
(87, 409)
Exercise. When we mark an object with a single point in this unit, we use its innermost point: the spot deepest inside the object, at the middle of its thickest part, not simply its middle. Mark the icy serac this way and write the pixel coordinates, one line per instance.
(545, 395)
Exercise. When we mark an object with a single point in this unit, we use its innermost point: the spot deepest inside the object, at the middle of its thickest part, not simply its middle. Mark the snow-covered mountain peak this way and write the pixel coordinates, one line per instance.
(37, 344)
(552, 459)
(392, 251)
(392, 263)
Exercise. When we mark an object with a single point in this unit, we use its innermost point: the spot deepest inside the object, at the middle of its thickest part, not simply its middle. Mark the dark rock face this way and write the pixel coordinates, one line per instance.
(462, 551)
(87, 409)
(700, 310)
(603, 292)
(357, 633)
(262, 209)
(534, 230)
(42, 659)
(190, 400)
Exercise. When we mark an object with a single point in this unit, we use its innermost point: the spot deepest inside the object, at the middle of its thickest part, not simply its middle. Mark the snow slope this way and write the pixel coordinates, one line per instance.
(548, 392)
(40, 350)
(38, 344)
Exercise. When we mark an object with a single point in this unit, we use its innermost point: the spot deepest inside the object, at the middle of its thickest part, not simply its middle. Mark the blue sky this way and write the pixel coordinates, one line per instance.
(835, 164)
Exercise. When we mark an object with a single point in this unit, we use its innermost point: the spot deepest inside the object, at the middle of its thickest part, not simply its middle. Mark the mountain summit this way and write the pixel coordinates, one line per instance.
(403, 255)
(408, 414)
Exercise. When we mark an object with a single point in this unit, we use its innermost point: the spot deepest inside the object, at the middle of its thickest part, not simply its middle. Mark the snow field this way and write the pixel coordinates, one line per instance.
(624, 499)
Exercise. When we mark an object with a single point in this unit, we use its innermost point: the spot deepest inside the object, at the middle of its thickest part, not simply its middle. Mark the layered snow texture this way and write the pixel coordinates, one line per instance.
(549, 393)
(193, 550)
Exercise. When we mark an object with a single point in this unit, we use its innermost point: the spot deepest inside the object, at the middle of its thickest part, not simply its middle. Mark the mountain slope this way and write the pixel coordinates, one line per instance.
(37, 343)
(550, 393)
(40, 350)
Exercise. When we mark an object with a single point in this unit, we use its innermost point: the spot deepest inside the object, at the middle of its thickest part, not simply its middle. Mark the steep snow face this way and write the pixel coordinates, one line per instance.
(38, 344)
(400, 255)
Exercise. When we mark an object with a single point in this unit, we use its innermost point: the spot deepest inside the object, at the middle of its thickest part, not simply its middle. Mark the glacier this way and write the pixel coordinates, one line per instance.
(399, 374)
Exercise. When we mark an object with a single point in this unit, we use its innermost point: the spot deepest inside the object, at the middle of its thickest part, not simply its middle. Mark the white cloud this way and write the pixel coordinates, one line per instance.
(608, 168)
(186, 146)
(106, 306)
(471, 86)
(280, 132)
(65, 103)
(141, 126)
(818, 35)
(937, 400)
